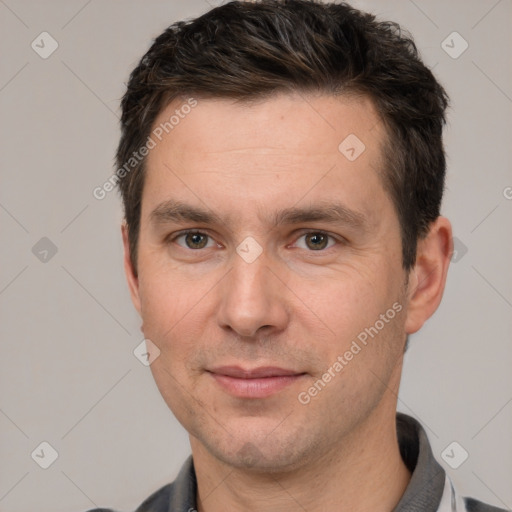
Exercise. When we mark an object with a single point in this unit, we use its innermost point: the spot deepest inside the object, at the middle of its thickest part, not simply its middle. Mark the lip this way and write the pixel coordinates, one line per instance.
(254, 383)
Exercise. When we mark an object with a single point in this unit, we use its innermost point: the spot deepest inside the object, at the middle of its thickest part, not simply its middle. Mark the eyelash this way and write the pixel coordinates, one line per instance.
(302, 234)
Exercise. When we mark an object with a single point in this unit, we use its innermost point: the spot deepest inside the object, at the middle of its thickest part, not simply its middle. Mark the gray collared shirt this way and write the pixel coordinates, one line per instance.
(429, 490)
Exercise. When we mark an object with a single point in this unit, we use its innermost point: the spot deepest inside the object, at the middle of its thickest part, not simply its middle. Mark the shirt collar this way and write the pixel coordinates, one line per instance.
(428, 478)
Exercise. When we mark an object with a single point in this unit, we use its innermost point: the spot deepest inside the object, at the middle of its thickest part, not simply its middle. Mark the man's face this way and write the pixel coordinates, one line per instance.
(217, 307)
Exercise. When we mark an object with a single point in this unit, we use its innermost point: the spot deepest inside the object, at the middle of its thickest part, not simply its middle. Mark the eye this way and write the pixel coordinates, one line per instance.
(316, 241)
(194, 240)
(313, 240)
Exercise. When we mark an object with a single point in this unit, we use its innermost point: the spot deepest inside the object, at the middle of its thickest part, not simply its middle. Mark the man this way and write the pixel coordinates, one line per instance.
(281, 166)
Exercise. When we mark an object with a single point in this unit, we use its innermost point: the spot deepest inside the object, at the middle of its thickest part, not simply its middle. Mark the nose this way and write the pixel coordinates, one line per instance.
(253, 298)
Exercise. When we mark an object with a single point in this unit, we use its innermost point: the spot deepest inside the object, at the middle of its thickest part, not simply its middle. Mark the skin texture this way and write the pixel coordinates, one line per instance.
(296, 306)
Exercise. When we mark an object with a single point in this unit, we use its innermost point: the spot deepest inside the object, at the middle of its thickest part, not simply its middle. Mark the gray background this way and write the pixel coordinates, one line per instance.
(68, 375)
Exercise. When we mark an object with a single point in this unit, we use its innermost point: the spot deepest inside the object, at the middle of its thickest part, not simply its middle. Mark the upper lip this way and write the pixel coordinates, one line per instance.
(255, 373)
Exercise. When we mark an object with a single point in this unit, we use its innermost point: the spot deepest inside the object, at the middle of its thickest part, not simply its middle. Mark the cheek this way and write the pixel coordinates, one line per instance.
(347, 307)
(166, 290)
(343, 301)
(171, 310)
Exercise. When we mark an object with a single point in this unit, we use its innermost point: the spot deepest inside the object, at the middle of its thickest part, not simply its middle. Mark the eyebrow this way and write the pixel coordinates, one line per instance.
(332, 213)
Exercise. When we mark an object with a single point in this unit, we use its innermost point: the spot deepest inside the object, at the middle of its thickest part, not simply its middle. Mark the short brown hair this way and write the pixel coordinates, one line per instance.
(248, 50)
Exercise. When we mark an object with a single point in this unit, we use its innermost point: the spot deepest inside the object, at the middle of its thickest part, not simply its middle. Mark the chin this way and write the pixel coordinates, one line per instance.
(264, 450)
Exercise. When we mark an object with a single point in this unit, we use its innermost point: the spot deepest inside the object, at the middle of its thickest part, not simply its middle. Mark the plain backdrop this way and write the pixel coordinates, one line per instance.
(68, 374)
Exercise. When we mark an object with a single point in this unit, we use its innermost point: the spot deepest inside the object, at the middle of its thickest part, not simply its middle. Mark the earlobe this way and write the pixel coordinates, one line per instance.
(428, 277)
(131, 277)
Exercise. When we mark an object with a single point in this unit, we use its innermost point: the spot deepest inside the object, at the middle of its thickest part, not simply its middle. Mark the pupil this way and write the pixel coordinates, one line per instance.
(196, 240)
(318, 240)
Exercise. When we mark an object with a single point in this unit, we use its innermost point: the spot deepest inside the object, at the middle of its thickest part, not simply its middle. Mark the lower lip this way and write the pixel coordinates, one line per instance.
(255, 388)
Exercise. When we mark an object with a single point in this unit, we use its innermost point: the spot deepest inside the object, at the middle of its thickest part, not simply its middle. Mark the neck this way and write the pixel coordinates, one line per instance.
(366, 473)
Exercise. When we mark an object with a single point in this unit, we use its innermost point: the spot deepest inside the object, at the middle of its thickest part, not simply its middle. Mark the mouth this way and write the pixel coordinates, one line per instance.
(254, 383)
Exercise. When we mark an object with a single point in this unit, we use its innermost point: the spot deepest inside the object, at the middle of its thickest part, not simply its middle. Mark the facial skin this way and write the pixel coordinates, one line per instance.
(296, 306)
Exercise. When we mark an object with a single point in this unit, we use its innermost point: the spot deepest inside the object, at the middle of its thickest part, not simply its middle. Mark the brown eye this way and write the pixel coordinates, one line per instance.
(316, 241)
(196, 240)
(193, 240)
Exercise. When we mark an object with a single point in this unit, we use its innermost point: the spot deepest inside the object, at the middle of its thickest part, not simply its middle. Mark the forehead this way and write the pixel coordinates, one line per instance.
(307, 145)
(304, 124)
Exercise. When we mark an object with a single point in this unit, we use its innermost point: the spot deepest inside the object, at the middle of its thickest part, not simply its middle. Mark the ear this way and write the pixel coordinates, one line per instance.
(428, 277)
(131, 276)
